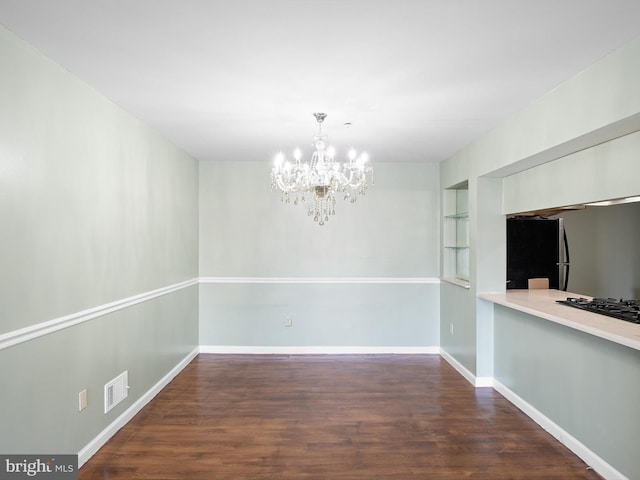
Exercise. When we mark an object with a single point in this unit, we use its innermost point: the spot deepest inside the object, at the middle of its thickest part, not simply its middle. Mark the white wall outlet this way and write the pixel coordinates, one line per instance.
(288, 322)
(82, 400)
(451, 328)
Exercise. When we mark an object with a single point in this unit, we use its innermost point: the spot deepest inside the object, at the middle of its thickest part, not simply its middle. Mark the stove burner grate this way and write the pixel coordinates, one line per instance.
(627, 310)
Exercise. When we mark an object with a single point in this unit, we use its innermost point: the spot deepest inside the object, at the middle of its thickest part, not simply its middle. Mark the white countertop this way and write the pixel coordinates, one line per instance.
(542, 303)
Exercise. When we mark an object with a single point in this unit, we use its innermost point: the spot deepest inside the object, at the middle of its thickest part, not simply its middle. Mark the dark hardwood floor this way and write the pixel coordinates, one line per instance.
(368, 417)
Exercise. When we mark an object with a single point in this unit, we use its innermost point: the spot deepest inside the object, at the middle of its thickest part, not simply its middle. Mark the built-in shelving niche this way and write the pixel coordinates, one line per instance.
(456, 235)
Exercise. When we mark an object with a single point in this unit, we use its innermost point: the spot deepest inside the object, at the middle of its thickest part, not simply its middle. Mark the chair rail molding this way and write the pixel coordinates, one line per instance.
(319, 280)
(45, 328)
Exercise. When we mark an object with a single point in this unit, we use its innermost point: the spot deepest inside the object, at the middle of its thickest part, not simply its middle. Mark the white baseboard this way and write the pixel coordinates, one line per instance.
(94, 445)
(587, 455)
(483, 382)
(464, 371)
(573, 444)
(315, 350)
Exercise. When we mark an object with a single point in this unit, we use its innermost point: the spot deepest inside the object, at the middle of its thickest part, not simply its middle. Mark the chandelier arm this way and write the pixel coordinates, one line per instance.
(292, 187)
(359, 180)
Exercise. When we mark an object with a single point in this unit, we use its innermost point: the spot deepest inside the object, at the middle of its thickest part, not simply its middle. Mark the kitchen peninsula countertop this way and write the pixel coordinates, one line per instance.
(542, 303)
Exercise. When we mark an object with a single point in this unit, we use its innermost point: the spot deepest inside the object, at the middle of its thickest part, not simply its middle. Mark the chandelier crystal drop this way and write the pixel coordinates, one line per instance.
(318, 181)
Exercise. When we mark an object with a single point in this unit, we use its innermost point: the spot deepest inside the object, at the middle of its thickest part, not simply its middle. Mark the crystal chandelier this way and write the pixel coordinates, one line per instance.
(321, 178)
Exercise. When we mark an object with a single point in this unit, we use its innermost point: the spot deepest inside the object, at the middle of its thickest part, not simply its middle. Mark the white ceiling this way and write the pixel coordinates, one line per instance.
(239, 79)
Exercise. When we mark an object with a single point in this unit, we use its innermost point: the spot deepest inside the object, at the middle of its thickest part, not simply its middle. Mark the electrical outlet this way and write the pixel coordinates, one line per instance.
(82, 400)
(451, 328)
(288, 322)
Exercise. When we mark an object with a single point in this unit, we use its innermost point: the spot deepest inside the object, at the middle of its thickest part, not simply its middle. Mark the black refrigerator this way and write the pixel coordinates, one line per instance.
(537, 248)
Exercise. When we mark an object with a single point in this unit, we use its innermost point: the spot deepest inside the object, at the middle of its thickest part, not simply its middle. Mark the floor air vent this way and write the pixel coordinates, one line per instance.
(115, 391)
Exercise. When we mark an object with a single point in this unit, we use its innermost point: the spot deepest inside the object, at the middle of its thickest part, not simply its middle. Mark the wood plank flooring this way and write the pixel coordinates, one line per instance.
(398, 417)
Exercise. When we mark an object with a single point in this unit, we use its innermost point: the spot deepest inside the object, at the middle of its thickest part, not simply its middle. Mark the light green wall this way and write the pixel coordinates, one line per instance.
(392, 232)
(562, 149)
(41, 378)
(576, 144)
(88, 192)
(95, 207)
(343, 315)
(467, 344)
(586, 385)
(245, 230)
(456, 310)
(599, 104)
(605, 171)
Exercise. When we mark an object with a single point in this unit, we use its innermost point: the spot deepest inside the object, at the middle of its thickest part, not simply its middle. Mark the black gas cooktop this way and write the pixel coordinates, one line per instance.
(628, 310)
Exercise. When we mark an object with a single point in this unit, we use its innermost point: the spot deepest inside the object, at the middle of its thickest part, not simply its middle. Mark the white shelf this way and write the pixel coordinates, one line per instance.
(456, 235)
(459, 215)
(460, 282)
